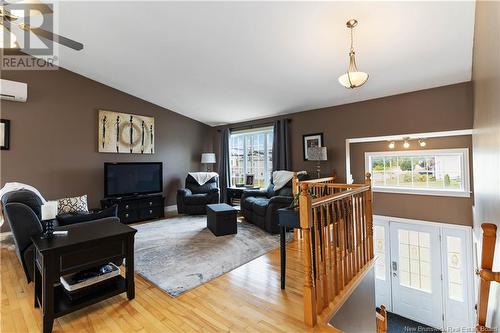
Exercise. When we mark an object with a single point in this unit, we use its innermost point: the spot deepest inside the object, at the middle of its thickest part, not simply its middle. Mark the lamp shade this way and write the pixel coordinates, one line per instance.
(49, 210)
(352, 80)
(208, 158)
(317, 154)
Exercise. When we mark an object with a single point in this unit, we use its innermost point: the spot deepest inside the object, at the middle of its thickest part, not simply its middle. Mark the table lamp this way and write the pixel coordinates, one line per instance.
(317, 154)
(49, 213)
(208, 158)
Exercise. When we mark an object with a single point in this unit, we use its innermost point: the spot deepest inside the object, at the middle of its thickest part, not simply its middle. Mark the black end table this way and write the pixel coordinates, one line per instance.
(87, 245)
(234, 195)
(221, 219)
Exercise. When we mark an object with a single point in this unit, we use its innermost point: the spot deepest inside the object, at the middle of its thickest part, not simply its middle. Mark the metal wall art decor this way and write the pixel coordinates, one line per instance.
(125, 133)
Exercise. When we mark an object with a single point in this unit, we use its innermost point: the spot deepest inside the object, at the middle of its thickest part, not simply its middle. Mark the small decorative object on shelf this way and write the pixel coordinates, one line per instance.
(49, 212)
(249, 180)
(79, 285)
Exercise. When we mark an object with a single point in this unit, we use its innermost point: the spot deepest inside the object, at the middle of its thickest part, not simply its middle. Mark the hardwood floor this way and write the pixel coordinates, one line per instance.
(247, 299)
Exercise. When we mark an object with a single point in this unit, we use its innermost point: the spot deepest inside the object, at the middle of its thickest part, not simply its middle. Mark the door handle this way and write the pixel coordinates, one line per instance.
(394, 269)
(394, 266)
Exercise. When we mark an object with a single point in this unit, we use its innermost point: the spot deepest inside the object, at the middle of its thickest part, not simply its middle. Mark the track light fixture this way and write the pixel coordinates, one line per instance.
(406, 144)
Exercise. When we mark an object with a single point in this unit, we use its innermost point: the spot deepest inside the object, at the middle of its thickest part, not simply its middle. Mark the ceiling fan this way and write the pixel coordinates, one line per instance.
(8, 21)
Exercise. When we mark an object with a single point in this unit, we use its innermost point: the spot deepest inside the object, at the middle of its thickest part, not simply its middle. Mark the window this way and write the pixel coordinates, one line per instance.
(251, 152)
(415, 260)
(434, 172)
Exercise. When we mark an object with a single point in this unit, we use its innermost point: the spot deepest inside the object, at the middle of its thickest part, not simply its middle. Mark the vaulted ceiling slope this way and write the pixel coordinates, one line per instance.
(225, 62)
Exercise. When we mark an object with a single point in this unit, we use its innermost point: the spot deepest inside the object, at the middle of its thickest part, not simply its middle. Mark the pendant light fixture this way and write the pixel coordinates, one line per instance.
(353, 78)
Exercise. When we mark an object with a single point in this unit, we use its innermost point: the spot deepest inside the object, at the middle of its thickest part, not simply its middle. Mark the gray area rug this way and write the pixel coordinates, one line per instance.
(180, 253)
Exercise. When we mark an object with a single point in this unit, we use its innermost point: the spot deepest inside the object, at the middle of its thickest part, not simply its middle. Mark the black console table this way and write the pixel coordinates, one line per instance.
(87, 245)
(137, 208)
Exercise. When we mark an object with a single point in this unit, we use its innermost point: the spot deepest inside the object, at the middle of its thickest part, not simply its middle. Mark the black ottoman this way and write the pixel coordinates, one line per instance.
(221, 219)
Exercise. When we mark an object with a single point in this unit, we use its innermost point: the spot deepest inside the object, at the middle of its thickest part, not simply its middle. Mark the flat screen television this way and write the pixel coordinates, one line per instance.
(127, 179)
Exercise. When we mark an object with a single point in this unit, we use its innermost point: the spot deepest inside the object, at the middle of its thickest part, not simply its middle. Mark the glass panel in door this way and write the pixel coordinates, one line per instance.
(382, 261)
(455, 261)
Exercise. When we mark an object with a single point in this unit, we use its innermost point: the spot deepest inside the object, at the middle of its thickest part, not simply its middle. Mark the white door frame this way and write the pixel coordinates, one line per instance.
(469, 270)
(384, 297)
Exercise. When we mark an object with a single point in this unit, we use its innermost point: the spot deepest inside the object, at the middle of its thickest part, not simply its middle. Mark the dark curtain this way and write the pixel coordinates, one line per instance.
(224, 180)
(281, 146)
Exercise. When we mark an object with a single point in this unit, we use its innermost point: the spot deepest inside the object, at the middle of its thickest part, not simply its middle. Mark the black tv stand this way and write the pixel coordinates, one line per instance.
(137, 208)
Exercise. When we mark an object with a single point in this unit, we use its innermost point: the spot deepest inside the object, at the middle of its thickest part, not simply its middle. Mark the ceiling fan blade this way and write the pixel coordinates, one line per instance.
(54, 37)
(7, 26)
(6, 15)
(31, 4)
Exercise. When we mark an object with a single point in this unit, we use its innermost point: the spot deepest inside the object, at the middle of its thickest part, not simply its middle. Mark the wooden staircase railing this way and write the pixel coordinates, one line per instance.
(336, 223)
(486, 274)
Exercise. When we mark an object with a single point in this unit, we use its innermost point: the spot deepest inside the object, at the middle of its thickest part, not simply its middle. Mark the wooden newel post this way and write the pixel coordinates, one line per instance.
(487, 254)
(369, 215)
(305, 210)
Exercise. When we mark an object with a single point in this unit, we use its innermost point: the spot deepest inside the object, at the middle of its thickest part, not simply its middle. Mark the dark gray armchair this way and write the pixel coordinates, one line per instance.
(194, 198)
(260, 206)
(22, 210)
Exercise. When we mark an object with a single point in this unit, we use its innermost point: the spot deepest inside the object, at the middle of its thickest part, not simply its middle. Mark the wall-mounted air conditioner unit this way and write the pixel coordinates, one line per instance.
(13, 91)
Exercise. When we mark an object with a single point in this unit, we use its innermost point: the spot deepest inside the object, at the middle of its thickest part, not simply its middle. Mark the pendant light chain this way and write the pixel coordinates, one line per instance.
(352, 39)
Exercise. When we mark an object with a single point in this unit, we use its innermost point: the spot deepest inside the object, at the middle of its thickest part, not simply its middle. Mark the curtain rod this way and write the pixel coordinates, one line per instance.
(257, 125)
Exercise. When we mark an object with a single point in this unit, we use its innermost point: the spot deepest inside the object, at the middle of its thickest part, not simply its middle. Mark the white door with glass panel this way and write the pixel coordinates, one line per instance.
(416, 273)
(423, 271)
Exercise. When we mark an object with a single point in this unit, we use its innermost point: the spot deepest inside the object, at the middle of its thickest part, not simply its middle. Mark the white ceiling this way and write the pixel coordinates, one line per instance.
(225, 62)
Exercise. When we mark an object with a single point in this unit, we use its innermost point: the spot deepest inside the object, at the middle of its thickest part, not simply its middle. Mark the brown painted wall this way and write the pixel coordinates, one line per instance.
(453, 210)
(438, 109)
(486, 138)
(54, 136)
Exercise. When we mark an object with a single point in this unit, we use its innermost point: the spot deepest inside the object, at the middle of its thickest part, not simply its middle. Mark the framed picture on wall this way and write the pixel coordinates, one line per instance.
(4, 134)
(311, 140)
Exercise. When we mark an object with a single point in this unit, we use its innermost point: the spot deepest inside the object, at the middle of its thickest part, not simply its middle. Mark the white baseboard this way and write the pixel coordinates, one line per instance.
(170, 209)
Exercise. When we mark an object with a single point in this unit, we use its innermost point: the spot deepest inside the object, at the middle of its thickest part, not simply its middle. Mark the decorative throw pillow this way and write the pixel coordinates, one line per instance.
(72, 205)
(67, 219)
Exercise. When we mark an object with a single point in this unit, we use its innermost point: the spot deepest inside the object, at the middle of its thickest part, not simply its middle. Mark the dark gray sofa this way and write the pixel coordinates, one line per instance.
(22, 210)
(260, 206)
(194, 198)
